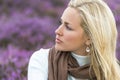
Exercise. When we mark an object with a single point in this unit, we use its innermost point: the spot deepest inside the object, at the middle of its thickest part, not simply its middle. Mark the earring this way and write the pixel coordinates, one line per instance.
(87, 49)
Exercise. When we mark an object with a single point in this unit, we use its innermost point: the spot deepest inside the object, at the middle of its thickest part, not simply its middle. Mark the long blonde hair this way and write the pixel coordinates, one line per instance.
(99, 23)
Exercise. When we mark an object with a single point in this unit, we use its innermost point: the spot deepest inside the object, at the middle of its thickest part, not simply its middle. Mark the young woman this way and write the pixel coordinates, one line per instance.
(85, 46)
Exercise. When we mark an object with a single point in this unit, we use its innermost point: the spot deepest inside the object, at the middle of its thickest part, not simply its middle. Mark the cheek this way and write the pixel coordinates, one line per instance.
(72, 38)
(73, 43)
(75, 39)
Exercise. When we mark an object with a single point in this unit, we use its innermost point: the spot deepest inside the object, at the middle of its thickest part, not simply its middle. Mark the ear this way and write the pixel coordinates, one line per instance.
(88, 41)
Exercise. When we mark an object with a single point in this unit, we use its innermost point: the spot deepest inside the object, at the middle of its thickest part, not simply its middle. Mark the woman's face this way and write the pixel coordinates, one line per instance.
(69, 35)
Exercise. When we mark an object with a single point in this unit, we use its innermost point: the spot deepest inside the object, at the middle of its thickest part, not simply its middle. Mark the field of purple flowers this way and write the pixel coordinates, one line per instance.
(28, 25)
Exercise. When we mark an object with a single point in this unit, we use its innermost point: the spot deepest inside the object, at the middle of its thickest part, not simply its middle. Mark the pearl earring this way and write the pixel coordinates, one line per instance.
(87, 49)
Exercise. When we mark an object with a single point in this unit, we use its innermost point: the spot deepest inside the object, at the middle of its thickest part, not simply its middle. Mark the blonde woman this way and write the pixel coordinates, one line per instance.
(85, 46)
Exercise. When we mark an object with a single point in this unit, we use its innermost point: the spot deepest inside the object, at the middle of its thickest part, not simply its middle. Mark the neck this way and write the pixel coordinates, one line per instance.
(81, 51)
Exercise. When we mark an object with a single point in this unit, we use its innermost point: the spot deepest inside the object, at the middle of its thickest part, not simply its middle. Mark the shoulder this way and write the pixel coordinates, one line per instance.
(38, 65)
(39, 57)
(42, 53)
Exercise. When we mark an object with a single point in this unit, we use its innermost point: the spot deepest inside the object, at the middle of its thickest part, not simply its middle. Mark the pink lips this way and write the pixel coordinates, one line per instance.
(58, 40)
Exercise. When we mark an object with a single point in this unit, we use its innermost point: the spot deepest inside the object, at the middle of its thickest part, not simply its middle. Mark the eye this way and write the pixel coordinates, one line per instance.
(60, 22)
(68, 28)
(66, 24)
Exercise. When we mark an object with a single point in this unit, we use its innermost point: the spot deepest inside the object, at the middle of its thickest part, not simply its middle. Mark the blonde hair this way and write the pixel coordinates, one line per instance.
(99, 23)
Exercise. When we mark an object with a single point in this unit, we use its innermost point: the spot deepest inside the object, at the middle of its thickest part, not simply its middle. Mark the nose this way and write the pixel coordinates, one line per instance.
(59, 30)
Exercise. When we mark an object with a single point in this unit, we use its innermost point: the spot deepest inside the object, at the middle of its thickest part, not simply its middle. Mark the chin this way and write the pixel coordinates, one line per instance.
(60, 48)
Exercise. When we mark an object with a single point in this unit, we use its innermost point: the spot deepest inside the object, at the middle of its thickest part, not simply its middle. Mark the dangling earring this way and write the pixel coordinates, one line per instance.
(87, 49)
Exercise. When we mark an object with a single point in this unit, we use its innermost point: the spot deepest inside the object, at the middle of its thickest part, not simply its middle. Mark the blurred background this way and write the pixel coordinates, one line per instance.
(28, 25)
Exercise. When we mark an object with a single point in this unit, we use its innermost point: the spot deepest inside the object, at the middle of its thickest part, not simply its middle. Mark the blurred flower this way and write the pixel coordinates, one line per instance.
(28, 25)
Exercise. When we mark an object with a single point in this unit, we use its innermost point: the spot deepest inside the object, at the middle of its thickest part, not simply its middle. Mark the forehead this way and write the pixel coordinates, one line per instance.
(71, 15)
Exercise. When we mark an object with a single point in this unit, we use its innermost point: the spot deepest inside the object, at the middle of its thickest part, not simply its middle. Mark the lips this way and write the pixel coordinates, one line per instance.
(58, 40)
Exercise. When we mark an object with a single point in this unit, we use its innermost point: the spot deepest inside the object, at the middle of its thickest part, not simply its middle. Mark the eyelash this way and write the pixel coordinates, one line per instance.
(60, 22)
(66, 26)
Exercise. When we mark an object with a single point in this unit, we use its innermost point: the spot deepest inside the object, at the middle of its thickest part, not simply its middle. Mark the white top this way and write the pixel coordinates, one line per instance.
(38, 65)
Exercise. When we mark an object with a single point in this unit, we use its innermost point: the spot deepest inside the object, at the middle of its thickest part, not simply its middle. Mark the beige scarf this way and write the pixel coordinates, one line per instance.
(61, 63)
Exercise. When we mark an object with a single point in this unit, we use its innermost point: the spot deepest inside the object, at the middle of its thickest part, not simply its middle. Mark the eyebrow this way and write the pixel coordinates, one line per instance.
(66, 23)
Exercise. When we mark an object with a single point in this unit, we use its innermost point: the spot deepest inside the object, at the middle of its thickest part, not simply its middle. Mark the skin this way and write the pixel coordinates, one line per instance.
(69, 35)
